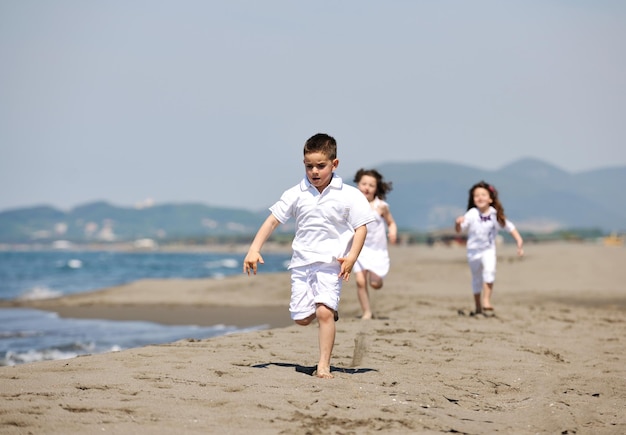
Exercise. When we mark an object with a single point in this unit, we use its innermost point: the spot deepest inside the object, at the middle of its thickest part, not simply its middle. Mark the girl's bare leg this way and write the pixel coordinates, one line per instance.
(375, 281)
(325, 318)
(479, 307)
(363, 294)
(487, 291)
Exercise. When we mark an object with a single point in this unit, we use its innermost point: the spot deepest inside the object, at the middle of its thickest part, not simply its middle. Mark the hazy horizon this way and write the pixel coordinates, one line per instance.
(150, 202)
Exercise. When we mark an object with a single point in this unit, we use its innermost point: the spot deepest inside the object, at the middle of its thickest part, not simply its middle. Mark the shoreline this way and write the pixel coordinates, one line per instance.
(201, 302)
(175, 315)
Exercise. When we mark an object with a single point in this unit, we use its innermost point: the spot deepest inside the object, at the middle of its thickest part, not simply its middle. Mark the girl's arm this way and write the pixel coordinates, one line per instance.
(392, 228)
(520, 242)
(458, 222)
(254, 252)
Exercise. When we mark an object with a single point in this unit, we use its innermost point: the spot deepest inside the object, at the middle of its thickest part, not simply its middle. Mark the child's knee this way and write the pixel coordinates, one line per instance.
(376, 284)
(375, 281)
(324, 313)
(305, 321)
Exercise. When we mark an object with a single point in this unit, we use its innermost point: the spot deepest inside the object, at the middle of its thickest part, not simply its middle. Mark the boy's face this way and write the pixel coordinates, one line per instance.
(319, 169)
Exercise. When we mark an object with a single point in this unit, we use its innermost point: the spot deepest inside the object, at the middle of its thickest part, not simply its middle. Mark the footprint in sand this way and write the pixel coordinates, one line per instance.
(360, 348)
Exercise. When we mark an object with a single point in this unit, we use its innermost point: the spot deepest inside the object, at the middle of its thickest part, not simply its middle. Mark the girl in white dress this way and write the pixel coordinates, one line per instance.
(484, 217)
(373, 262)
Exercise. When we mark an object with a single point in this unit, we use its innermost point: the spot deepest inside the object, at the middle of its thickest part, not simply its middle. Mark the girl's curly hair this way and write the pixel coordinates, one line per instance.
(493, 194)
(382, 187)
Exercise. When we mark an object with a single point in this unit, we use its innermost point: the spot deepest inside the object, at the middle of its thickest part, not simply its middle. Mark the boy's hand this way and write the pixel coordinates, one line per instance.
(346, 268)
(250, 262)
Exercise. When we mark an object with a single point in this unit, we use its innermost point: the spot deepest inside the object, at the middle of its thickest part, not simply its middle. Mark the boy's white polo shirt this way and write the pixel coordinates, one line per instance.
(325, 222)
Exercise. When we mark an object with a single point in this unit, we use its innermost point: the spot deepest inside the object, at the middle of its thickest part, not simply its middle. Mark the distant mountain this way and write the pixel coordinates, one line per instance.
(426, 196)
(100, 221)
(536, 196)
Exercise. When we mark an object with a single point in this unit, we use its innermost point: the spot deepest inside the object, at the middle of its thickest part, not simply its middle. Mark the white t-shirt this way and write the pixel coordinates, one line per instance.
(483, 229)
(325, 222)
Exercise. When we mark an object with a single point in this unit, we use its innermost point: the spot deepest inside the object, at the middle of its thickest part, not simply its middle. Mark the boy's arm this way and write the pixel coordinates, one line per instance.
(357, 244)
(254, 252)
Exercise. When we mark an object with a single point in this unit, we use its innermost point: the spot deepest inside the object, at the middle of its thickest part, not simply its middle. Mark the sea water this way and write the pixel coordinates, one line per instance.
(28, 335)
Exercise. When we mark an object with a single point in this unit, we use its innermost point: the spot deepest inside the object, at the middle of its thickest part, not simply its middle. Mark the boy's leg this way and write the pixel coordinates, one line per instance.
(325, 318)
(301, 305)
(325, 285)
(305, 321)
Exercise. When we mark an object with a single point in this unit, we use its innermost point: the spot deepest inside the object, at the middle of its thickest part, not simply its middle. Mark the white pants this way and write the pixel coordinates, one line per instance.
(316, 283)
(483, 266)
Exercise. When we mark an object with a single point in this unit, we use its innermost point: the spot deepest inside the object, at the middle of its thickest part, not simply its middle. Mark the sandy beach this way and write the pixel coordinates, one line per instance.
(552, 360)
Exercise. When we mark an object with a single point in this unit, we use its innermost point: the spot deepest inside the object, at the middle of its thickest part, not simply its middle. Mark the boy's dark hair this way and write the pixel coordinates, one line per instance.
(493, 194)
(382, 187)
(321, 143)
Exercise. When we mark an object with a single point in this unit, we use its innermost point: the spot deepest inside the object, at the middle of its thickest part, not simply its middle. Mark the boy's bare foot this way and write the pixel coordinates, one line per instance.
(367, 315)
(324, 374)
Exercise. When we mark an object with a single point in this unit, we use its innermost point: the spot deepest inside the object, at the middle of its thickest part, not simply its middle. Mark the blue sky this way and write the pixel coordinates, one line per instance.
(211, 102)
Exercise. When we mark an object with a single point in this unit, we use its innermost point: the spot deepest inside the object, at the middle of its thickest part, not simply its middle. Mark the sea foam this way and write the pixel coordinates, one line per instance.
(37, 293)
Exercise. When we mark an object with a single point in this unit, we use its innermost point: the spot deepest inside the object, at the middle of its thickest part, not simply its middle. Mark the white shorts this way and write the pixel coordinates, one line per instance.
(483, 266)
(376, 261)
(316, 283)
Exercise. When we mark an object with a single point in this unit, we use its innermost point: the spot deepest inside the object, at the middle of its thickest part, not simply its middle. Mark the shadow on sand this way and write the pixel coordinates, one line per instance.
(309, 370)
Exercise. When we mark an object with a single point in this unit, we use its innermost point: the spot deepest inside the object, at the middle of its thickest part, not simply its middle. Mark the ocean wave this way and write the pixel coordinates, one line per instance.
(12, 358)
(228, 263)
(74, 263)
(37, 293)
(19, 334)
(15, 358)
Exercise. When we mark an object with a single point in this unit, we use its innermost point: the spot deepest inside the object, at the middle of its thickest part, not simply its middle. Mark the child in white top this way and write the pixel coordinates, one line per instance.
(484, 217)
(331, 219)
(373, 262)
